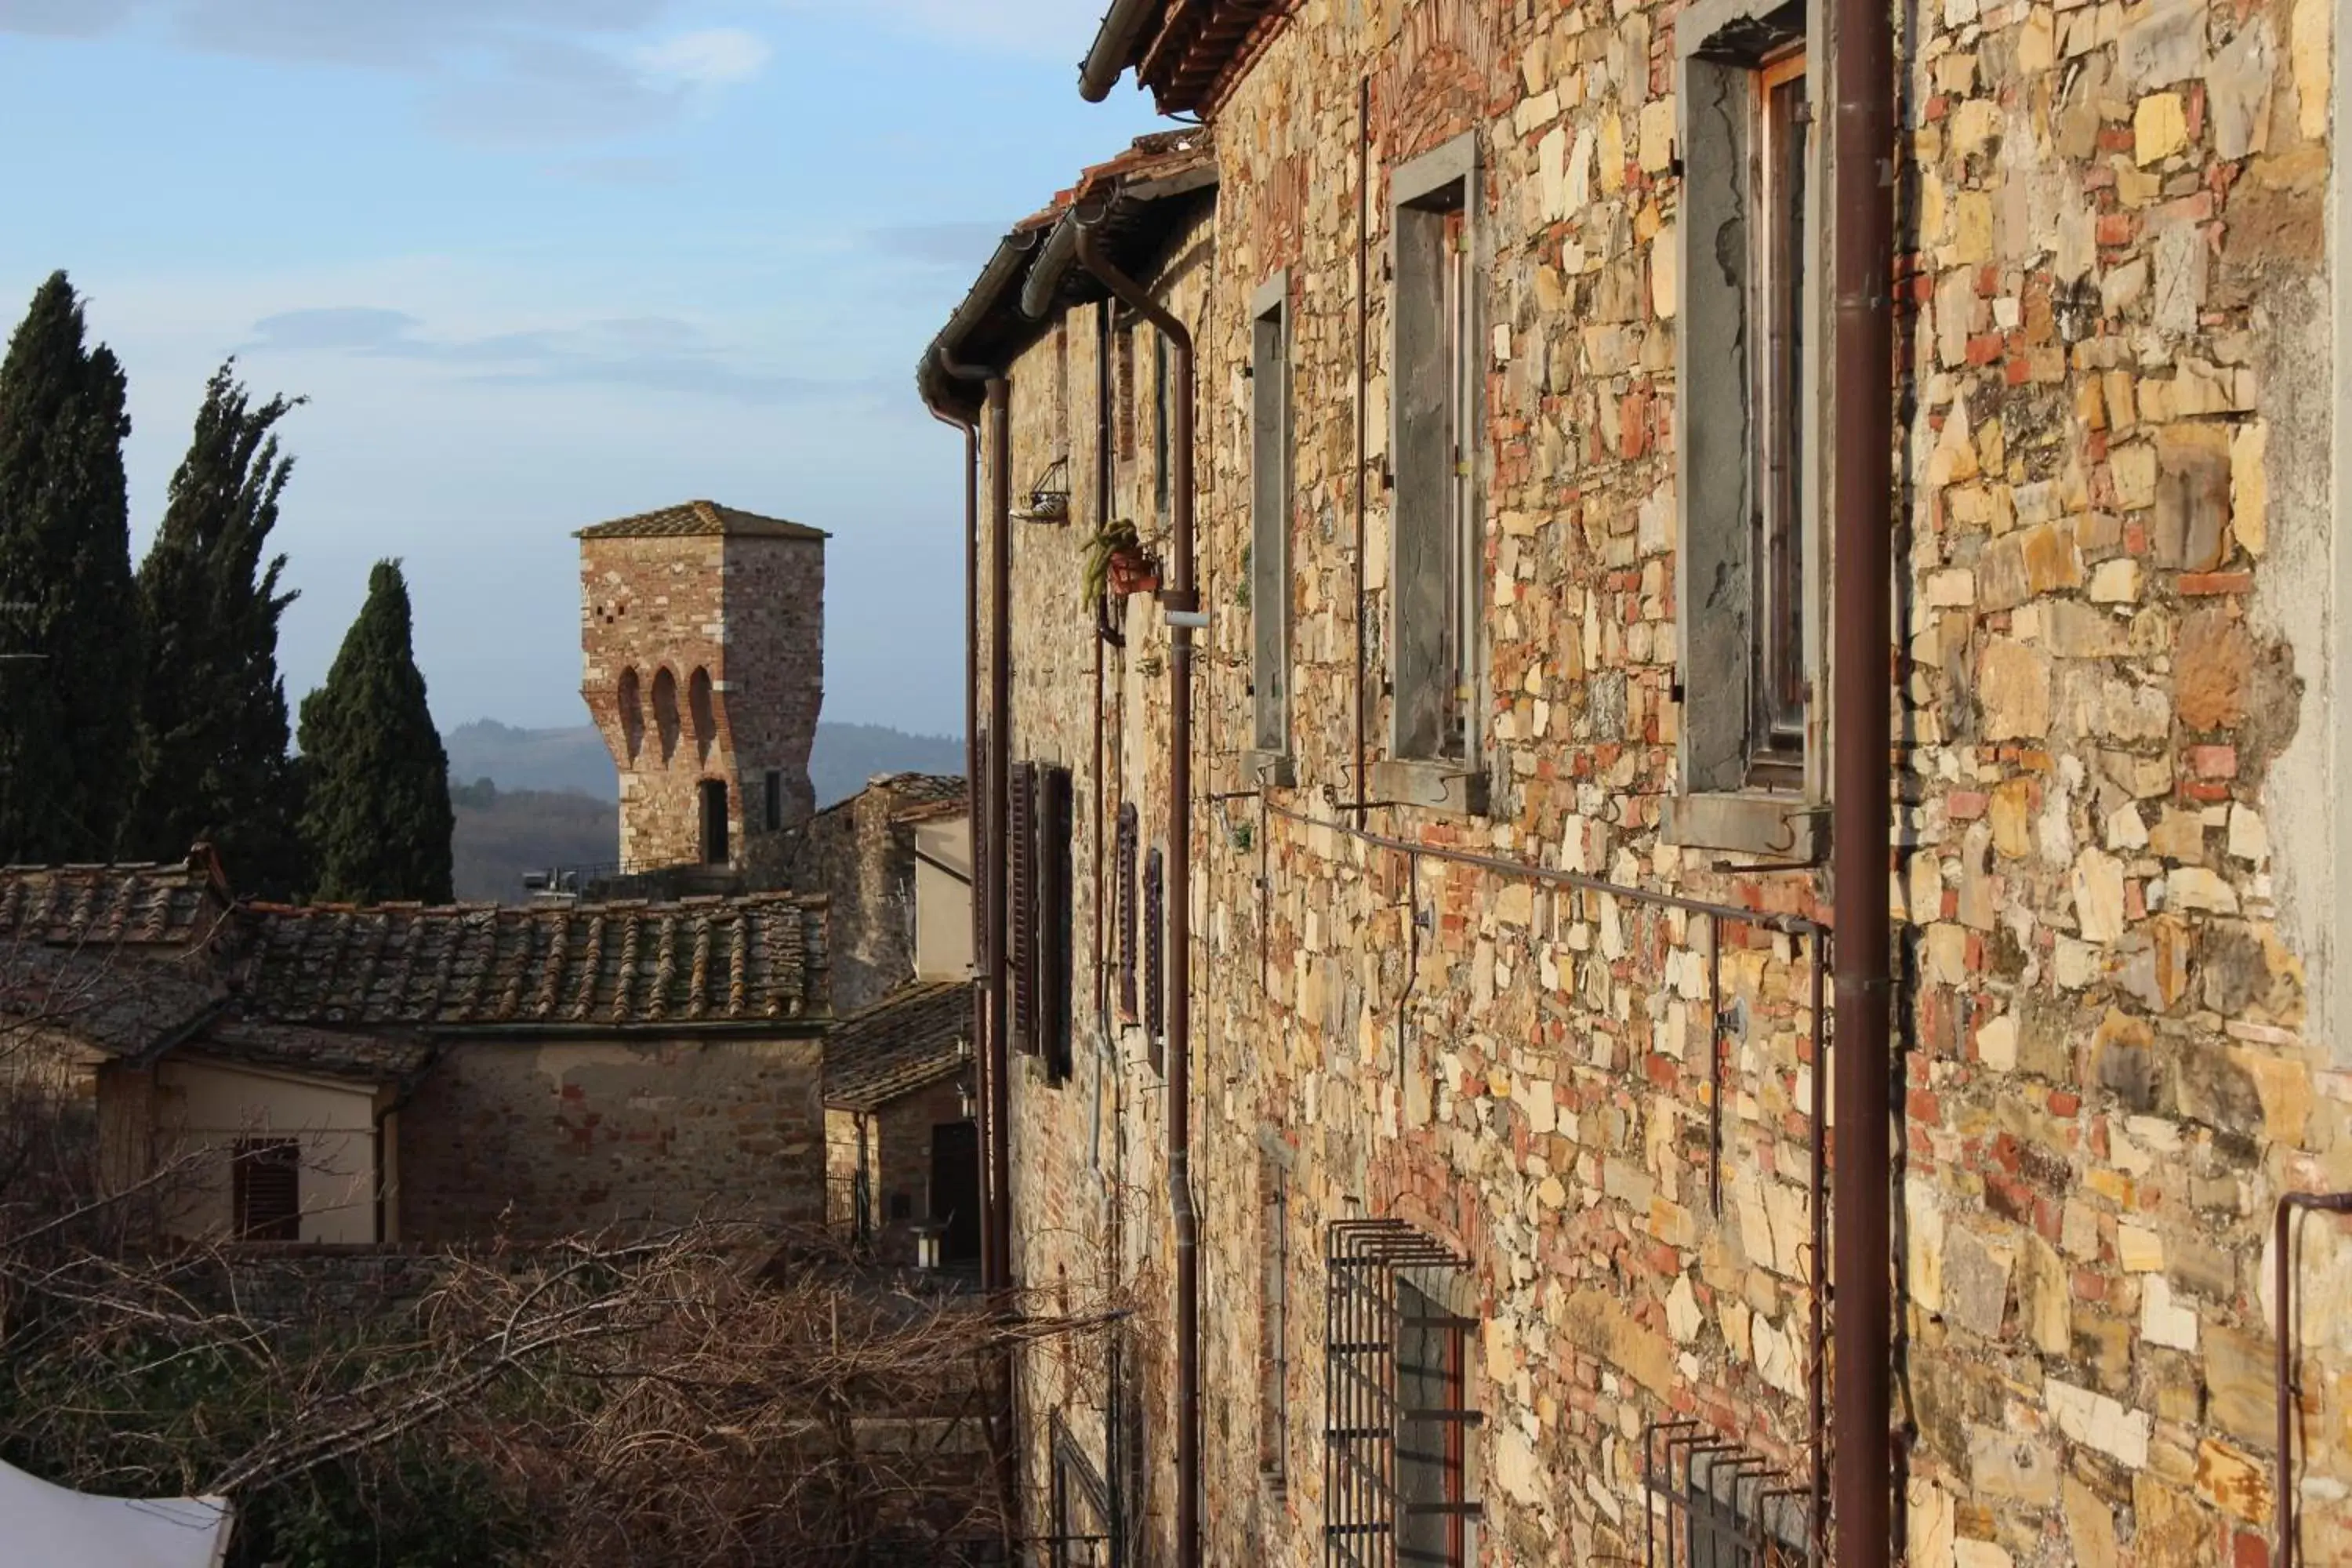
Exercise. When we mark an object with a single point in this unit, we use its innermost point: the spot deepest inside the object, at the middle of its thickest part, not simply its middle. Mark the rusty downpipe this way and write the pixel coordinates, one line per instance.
(1861, 151)
(972, 757)
(988, 903)
(2282, 1553)
(1182, 602)
(1000, 818)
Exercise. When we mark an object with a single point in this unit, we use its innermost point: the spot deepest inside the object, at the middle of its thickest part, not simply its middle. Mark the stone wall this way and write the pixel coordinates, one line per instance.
(2113, 459)
(723, 639)
(852, 853)
(540, 1139)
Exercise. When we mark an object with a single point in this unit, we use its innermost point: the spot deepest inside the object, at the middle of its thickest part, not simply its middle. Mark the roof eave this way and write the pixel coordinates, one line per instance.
(1114, 47)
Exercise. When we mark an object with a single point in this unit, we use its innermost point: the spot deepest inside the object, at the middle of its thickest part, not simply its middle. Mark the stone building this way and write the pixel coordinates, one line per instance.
(702, 633)
(1509, 807)
(425, 1075)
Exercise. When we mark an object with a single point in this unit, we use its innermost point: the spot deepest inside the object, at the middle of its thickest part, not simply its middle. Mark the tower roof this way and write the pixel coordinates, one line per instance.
(695, 516)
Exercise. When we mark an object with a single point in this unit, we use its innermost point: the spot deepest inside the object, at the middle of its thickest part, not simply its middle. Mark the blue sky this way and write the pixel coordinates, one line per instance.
(537, 263)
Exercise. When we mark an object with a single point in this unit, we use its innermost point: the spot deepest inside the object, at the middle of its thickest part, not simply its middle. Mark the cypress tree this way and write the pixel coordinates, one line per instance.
(70, 687)
(213, 720)
(376, 819)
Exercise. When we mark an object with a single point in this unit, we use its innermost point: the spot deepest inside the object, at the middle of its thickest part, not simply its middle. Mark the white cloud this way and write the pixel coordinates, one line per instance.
(1047, 29)
(708, 58)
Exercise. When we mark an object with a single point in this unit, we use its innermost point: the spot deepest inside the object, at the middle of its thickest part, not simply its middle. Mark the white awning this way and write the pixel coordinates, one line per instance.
(55, 1527)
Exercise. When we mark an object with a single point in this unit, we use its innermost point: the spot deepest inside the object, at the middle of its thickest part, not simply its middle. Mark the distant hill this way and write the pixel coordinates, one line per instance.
(843, 758)
(551, 793)
(502, 832)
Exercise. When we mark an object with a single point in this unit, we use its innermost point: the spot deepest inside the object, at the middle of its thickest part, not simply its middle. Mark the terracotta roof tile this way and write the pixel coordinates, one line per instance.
(911, 1039)
(699, 517)
(338, 1053)
(591, 966)
(113, 999)
(142, 904)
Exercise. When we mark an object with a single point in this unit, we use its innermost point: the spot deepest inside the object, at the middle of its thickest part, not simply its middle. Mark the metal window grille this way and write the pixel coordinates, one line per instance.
(1274, 1292)
(1155, 957)
(1708, 1503)
(1055, 809)
(1080, 1507)
(1396, 1416)
(1127, 915)
(265, 1185)
(1021, 902)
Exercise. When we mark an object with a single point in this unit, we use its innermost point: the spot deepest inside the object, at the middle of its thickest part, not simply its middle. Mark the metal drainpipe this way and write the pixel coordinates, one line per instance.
(1182, 602)
(990, 1199)
(2282, 1553)
(1363, 330)
(1861, 89)
(1000, 829)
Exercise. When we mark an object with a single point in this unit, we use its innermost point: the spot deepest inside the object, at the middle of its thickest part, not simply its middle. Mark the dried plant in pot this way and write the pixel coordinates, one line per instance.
(1117, 563)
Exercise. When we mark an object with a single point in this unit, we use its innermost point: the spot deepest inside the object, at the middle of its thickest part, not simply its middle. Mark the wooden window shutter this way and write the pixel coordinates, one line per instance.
(266, 1181)
(1055, 810)
(1020, 903)
(1126, 873)
(1154, 949)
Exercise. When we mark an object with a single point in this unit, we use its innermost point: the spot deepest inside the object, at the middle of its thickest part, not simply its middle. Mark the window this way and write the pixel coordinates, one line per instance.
(1438, 614)
(713, 794)
(1021, 902)
(1396, 1400)
(1430, 1422)
(1038, 913)
(633, 713)
(774, 816)
(266, 1189)
(1055, 830)
(1123, 370)
(1154, 956)
(1269, 560)
(701, 706)
(666, 712)
(1159, 470)
(1273, 1286)
(1124, 870)
(1751, 243)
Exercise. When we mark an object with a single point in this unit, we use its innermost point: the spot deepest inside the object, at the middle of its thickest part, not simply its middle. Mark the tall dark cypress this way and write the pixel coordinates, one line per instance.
(376, 818)
(70, 677)
(213, 721)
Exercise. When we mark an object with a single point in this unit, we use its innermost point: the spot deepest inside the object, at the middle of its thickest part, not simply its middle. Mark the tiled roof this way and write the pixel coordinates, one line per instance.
(1192, 49)
(698, 962)
(699, 517)
(147, 903)
(911, 1039)
(121, 1004)
(919, 788)
(339, 1053)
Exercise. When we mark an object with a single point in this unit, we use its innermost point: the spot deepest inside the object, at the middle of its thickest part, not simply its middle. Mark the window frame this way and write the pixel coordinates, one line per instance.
(1750, 773)
(1438, 655)
(247, 1158)
(1273, 446)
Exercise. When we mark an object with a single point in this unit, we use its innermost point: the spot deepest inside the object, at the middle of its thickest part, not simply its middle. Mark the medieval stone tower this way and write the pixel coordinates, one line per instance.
(702, 629)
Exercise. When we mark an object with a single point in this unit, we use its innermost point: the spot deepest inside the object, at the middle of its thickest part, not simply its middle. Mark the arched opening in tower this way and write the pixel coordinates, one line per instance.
(632, 714)
(714, 822)
(666, 712)
(706, 722)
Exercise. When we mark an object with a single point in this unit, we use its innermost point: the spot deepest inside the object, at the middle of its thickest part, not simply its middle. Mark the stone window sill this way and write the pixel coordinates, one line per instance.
(1439, 787)
(1269, 770)
(1784, 828)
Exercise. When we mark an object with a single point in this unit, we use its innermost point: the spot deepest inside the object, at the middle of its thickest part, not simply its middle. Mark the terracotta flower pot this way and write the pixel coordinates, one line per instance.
(1131, 572)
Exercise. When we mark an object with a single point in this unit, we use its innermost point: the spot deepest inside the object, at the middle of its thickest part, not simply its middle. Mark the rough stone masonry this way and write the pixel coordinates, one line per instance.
(2115, 816)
